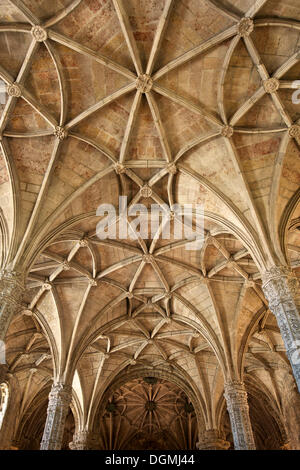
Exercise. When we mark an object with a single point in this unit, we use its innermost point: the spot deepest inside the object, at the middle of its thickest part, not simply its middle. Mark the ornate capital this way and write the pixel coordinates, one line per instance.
(279, 285)
(80, 441)
(235, 394)
(60, 395)
(211, 440)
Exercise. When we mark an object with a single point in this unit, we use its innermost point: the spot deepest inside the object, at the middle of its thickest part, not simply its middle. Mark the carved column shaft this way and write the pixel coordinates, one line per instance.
(238, 409)
(11, 293)
(281, 289)
(83, 440)
(211, 440)
(58, 406)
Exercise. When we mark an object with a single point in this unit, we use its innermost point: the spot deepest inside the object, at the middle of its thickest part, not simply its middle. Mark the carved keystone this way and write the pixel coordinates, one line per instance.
(14, 90)
(271, 85)
(245, 27)
(144, 83)
(227, 131)
(39, 33)
(120, 169)
(146, 191)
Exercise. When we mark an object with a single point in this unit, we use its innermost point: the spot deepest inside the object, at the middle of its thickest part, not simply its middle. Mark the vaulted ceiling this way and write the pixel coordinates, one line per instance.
(162, 101)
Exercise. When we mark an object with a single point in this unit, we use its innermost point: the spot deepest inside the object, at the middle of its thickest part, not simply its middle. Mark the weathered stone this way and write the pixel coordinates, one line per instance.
(11, 292)
(238, 409)
(211, 440)
(58, 406)
(39, 33)
(245, 27)
(144, 83)
(271, 85)
(281, 287)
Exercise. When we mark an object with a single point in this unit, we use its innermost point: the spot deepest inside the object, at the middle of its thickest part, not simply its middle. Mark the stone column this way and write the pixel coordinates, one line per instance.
(80, 441)
(58, 406)
(84, 440)
(11, 292)
(211, 440)
(281, 288)
(238, 409)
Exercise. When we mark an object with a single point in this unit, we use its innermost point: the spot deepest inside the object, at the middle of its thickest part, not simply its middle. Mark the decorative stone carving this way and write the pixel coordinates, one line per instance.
(80, 441)
(211, 440)
(58, 406)
(66, 266)
(11, 293)
(172, 168)
(271, 85)
(144, 83)
(294, 131)
(83, 243)
(146, 191)
(281, 287)
(47, 286)
(14, 90)
(238, 409)
(227, 131)
(245, 27)
(120, 169)
(60, 133)
(93, 282)
(39, 33)
(147, 258)
(84, 440)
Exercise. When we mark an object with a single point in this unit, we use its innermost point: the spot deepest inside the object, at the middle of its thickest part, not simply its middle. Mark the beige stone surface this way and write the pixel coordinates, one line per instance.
(184, 101)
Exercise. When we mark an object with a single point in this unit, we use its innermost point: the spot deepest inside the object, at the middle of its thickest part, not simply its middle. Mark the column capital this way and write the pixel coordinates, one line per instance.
(60, 394)
(281, 288)
(279, 282)
(236, 390)
(211, 440)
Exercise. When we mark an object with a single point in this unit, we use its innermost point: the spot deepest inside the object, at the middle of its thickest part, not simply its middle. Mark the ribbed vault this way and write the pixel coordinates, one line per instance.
(165, 102)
